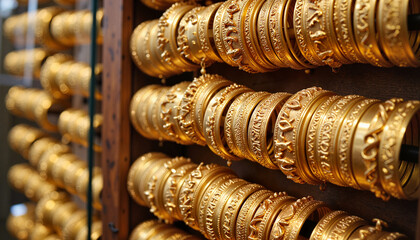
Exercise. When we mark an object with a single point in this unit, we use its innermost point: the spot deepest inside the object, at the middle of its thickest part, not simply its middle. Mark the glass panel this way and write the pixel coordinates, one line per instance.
(50, 121)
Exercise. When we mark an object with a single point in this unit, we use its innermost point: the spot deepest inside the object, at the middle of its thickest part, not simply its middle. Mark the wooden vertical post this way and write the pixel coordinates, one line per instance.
(118, 25)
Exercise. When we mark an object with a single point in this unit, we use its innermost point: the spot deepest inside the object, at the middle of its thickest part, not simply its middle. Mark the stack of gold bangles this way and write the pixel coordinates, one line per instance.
(53, 28)
(54, 162)
(154, 230)
(63, 77)
(58, 212)
(55, 215)
(265, 35)
(25, 179)
(74, 124)
(213, 200)
(313, 136)
(25, 62)
(34, 104)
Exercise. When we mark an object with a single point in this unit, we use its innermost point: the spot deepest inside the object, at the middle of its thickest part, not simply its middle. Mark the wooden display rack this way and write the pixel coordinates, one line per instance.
(122, 145)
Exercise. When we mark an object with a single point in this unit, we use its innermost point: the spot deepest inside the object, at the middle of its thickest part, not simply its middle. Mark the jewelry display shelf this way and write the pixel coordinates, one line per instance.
(122, 145)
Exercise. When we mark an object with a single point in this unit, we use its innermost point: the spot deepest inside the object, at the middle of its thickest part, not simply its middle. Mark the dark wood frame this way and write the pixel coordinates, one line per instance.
(120, 79)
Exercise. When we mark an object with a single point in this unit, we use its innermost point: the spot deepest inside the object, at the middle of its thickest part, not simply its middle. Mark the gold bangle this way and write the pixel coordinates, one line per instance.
(217, 33)
(300, 211)
(344, 227)
(236, 50)
(72, 173)
(186, 113)
(42, 28)
(58, 169)
(205, 197)
(324, 224)
(204, 185)
(142, 50)
(365, 147)
(394, 36)
(311, 139)
(187, 39)
(250, 39)
(366, 33)
(74, 224)
(141, 231)
(162, 176)
(47, 161)
(221, 203)
(157, 57)
(33, 182)
(326, 140)
(285, 130)
(48, 74)
(266, 213)
(184, 118)
(61, 214)
(302, 165)
(25, 61)
(370, 146)
(29, 137)
(53, 151)
(315, 35)
(331, 30)
(389, 151)
(21, 137)
(69, 28)
(345, 136)
(172, 185)
(205, 32)
(261, 123)
(74, 78)
(203, 96)
(153, 114)
(58, 28)
(212, 206)
(142, 178)
(213, 120)
(156, 116)
(48, 205)
(247, 211)
(229, 119)
(137, 107)
(232, 208)
(18, 176)
(362, 129)
(169, 107)
(137, 167)
(343, 11)
(263, 28)
(189, 188)
(136, 40)
(62, 77)
(141, 111)
(11, 26)
(240, 123)
(293, 44)
(167, 31)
